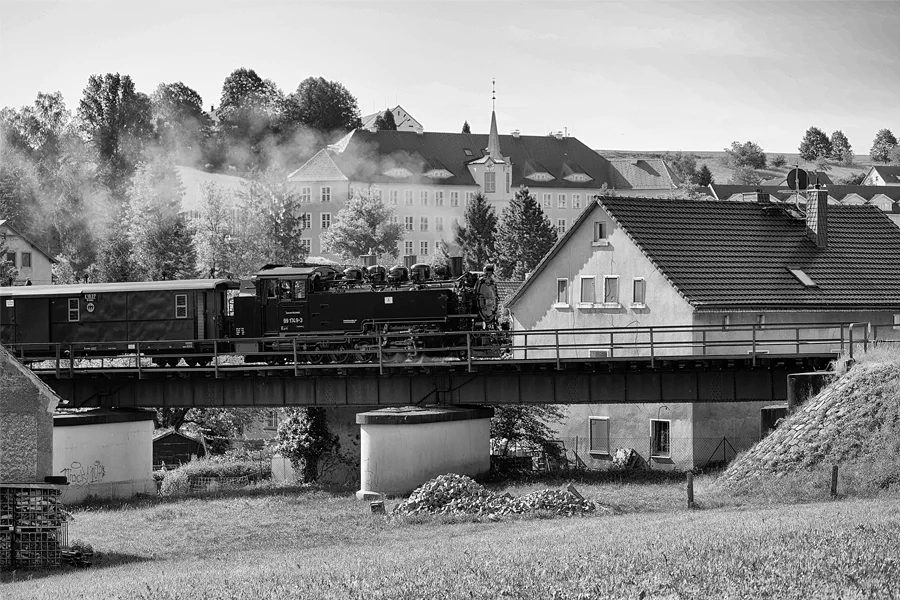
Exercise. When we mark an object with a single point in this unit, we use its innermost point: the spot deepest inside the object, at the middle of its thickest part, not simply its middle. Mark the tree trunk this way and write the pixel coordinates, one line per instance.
(310, 470)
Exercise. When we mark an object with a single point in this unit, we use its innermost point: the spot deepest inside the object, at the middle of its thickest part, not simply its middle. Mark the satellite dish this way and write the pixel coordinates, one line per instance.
(798, 179)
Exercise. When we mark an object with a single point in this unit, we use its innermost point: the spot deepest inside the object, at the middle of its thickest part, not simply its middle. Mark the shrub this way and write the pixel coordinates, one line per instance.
(175, 482)
(178, 481)
(779, 160)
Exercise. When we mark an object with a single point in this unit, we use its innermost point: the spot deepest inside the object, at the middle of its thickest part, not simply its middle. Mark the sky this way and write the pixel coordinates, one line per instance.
(637, 75)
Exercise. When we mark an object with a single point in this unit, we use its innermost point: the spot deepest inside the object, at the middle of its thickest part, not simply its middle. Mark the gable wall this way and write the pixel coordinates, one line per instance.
(577, 259)
(39, 272)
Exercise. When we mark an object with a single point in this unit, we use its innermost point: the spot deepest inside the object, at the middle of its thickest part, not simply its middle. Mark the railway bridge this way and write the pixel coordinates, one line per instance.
(609, 365)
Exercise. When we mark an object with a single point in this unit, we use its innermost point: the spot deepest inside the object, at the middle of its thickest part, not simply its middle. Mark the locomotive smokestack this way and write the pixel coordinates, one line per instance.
(456, 266)
(368, 260)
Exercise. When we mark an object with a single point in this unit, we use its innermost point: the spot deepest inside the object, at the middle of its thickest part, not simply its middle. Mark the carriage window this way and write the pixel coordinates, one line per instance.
(299, 290)
(74, 309)
(181, 306)
(284, 290)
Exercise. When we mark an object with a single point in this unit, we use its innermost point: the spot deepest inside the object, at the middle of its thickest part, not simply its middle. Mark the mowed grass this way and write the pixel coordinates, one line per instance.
(302, 543)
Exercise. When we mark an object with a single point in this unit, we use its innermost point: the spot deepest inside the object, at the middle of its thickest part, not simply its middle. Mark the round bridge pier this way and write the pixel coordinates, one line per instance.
(402, 448)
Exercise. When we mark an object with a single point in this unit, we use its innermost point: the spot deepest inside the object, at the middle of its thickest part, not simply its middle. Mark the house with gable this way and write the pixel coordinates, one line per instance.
(402, 119)
(630, 263)
(428, 178)
(882, 175)
(33, 263)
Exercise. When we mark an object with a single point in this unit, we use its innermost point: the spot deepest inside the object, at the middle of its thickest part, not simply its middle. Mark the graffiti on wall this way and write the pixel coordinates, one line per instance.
(78, 474)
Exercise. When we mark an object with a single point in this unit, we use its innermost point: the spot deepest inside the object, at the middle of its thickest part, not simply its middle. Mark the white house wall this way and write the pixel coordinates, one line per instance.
(581, 258)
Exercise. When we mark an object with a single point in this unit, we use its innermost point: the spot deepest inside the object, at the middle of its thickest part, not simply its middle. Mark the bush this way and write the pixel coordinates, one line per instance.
(175, 482)
(178, 481)
(779, 160)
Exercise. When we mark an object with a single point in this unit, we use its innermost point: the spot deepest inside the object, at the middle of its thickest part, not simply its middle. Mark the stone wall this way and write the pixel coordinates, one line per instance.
(26, 423)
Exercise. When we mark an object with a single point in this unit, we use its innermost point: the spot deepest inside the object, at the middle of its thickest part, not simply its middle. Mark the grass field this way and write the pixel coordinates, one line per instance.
(303, 543)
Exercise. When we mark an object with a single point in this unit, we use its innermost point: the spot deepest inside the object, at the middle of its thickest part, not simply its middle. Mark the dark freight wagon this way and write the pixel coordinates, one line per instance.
(101, 317)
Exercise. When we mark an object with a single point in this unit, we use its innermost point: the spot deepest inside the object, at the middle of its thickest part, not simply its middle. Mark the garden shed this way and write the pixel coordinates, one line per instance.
(173, 448)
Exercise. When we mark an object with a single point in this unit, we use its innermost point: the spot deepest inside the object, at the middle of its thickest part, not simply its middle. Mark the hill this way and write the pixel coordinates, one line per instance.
(854, 423)
(723, 174)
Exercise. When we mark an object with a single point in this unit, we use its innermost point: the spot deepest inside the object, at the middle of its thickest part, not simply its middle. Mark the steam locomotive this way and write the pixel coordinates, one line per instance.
(300, 313)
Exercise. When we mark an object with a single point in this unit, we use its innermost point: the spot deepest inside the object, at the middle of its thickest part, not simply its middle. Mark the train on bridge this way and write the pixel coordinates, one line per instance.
(301, 313)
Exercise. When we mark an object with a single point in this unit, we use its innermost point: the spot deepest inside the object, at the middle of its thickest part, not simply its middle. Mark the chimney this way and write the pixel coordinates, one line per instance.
(758, 196)
(420, 130)
(817, 217)
(558, 135)
(516, 133)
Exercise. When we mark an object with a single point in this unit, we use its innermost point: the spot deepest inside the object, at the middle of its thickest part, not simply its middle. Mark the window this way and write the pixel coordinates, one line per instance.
(271, 419)
(453, 223)
(306, 220)
(638, 288)
(326, 220)
(600, 234)
(469, 197)
(11, 258)
(306, 245)
(350, 191)
(395, 197)
(576, 200)
(659, 436)
(74, 309)
(760, 321)
(896, 322)
(548, 199)
(490, 182)
(408, 197)
(726, 321)
(423, 197)
(181, 306)
(587, 290)
(454, 198)
(26, 259)
(305, 194)
(439, 198)
(561, 201)
(611, 289)
(599, 435)
(562, 292)
(326, 194)
(395, 219)
(803, 278)
(560, 227)
(423, 223)
(439, 223)
(423, 248)
(407, 248)
(376, 193)
(408, 222)
(508, 179)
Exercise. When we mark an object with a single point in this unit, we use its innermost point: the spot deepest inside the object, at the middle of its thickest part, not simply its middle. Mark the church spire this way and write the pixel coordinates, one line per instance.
(494, 138)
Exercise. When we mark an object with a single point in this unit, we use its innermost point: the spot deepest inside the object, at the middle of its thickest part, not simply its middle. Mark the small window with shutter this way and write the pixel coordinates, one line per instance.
(599, 435)
(181, 306)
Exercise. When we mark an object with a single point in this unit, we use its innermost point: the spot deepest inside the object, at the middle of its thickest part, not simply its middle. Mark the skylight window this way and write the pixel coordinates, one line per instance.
(803, 278)
(468, 152)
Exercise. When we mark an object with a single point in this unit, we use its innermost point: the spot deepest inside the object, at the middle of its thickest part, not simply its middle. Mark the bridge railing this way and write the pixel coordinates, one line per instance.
(473, 348)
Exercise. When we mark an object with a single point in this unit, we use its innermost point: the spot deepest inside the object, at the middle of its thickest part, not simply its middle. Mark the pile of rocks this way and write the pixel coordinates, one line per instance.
(457, 494)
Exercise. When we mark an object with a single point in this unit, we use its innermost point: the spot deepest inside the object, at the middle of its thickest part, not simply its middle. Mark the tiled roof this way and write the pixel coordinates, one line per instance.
(370, 153)
(733, 255)
(506, 289)
(838, 192)
(890, 173)
(320, 167)
(641, 174)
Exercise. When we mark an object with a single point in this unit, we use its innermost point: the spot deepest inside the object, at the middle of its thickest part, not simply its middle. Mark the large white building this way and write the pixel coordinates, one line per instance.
(428, 178)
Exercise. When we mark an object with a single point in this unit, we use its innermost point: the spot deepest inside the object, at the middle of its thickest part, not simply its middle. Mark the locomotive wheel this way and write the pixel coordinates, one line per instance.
(172, 362)
(341, 356)
(191, 362)
(204, 362)
(316, 359)
(365, 353)
(159, 362)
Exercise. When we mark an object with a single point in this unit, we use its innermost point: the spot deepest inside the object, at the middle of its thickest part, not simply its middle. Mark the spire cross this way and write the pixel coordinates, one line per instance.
(494, 94)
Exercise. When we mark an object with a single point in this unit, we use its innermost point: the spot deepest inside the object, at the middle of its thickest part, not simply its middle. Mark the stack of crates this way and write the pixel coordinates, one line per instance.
(32, 526)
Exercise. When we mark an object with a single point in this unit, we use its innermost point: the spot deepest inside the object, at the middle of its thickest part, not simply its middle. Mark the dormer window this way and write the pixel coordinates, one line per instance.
(803, 278)
(398, 173)
(438, 174)
(541, 176)
(578, 178)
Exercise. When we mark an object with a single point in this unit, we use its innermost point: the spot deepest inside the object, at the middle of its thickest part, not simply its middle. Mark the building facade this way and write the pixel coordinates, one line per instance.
(32, 263)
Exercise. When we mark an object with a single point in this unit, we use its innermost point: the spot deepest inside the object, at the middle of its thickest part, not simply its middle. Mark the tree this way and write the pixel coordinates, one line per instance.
(440, 258)
(326, 106)
(747, 154)
(8, 271)
(386, 122)
(218, 425)
(815, 144)
(778, 160)
(524, 236)
(852, 179)
(250, 113)
(304, 438)
(895, 155)
(182, 126)
(745, 176)
(704, 177)
(513, 424)
(840, 148)
(214, 237)
(882, 145)
(271, 222)
(118, 122)
(362, 226)
(466, 128)
(115, 260)
(477, 236)
(162, 241)
(683, 164)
